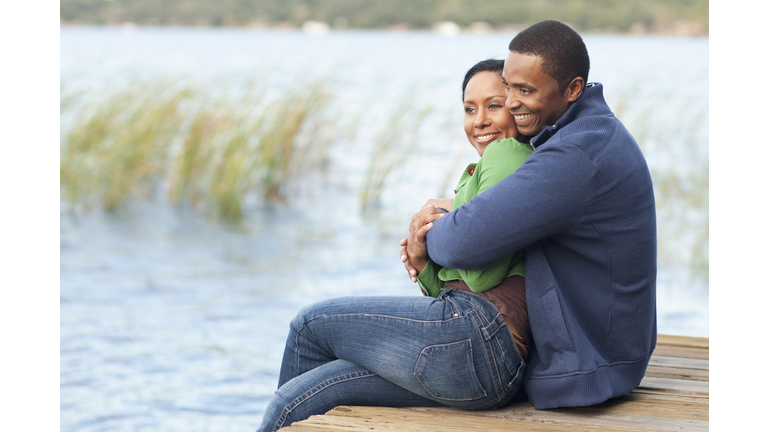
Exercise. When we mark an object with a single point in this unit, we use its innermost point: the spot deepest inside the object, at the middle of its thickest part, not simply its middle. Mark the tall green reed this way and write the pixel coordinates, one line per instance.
(213, 151)
(394, 143)
(115, 147)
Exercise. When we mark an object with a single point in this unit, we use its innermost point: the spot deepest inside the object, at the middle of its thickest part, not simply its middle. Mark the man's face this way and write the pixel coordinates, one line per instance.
(533, 97)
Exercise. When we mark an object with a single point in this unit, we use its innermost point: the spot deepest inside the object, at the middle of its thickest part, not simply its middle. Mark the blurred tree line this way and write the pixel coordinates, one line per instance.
(637, 16)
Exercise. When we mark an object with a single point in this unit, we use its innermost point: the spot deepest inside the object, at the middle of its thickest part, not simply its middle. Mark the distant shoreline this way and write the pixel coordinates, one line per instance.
(298, 29)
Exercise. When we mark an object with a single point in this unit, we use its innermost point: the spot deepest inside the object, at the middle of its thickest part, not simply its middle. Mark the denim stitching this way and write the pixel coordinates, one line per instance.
(490, 359)
(475, 314)
(504, 355)
(410, 319)
(309, 336)
(499, 386)
(316, 389)
(439, 399)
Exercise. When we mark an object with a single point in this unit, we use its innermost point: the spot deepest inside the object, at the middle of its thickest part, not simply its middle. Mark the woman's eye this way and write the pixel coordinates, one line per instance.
(469, 110)
(495, 106)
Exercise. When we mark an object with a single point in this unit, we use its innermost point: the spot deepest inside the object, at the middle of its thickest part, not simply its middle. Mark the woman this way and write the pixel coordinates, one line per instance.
(453, 350)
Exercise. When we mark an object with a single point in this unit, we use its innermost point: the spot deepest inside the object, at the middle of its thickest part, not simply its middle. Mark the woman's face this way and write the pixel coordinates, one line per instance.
(485, 118)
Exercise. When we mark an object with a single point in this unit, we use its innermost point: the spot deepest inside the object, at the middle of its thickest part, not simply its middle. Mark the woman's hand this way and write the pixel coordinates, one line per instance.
(444, 203)
(414, 253)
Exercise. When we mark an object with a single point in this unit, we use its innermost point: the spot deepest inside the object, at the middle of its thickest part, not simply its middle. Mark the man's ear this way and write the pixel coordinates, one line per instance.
(574, 89)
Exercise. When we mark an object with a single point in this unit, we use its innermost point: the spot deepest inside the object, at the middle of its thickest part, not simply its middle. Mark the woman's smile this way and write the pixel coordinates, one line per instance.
(488, 137)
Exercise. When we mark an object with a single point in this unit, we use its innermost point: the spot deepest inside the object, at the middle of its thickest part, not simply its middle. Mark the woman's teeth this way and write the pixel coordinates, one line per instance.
(485, 137)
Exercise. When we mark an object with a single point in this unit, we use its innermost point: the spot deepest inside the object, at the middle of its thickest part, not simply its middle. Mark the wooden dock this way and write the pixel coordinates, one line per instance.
(673, 396)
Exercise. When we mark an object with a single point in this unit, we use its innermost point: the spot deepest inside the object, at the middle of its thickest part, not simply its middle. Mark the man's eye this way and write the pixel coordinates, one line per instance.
(524, 91)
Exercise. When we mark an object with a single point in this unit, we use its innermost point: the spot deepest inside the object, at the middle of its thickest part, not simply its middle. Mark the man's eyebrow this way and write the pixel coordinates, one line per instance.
(523, 84)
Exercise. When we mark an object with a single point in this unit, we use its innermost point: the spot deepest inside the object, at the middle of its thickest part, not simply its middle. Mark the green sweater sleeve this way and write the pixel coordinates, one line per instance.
(428, 280)
(500, 159)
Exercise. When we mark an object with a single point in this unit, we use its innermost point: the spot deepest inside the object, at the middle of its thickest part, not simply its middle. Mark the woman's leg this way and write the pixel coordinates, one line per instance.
(455, 350)
(335, 383)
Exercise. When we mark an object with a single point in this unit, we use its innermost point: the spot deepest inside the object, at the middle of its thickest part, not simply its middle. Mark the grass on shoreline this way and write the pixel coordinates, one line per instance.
(223, 153)
(211, 152)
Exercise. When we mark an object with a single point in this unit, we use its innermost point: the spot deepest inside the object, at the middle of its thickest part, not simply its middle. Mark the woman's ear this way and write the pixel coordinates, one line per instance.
(574, 89)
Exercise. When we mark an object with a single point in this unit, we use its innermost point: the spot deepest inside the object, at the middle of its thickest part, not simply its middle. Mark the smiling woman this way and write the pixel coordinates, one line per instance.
(485, 118)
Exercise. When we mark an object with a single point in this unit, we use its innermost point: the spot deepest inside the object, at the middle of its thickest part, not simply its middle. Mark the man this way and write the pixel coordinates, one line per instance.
(582, 207)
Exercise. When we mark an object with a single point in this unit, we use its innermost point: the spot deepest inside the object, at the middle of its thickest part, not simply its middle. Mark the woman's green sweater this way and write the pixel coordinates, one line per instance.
(500, 159)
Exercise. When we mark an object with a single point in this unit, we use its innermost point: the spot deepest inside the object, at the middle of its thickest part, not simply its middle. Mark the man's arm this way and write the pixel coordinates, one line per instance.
(500, 159)
(546, 195)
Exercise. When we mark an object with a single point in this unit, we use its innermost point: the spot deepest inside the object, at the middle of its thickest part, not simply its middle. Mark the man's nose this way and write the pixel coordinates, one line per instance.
(512, 102)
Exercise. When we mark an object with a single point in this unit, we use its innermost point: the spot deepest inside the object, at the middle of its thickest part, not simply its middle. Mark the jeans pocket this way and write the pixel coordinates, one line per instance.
(447, 372)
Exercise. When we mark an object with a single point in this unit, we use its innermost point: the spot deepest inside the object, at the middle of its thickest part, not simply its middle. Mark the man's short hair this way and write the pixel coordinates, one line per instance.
(561, 48)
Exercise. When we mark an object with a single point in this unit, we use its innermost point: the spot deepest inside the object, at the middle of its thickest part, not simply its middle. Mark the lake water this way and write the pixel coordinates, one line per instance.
(171, 321)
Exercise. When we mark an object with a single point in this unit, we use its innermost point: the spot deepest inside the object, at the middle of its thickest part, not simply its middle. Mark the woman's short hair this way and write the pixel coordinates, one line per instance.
(490, 65)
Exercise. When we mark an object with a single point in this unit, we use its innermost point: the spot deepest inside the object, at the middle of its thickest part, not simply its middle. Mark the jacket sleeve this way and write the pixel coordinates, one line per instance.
(496, 164)
(548, 194)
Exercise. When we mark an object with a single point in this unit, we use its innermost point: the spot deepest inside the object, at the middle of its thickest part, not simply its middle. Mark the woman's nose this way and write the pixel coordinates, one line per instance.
(482, 120)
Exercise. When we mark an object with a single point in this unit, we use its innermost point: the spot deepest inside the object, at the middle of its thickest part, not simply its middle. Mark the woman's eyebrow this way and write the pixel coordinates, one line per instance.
(486, 99)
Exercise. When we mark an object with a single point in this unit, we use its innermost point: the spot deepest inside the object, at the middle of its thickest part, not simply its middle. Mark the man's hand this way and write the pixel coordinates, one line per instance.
(414, 253)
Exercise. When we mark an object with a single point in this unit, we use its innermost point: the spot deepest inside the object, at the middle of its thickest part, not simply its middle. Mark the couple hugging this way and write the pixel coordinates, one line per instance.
(539, 283)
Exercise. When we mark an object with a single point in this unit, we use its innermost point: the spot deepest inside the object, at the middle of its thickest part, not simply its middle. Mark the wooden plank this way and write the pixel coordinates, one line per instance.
(521, 417)
(674, 386)
(687, 341)
(673, 396)
(681, 351)
(609, 414)
(682, 346)
(648, 405)
(677, 373)
(679, 362)
(662, 398)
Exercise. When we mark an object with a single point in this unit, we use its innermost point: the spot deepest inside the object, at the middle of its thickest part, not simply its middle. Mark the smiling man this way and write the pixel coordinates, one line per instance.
(582, 207)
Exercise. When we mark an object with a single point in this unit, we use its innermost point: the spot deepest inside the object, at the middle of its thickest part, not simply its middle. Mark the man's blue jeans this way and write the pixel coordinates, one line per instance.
(455, 350)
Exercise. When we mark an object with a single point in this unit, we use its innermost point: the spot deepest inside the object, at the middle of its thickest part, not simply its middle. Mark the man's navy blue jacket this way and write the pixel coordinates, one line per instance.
(582, 206)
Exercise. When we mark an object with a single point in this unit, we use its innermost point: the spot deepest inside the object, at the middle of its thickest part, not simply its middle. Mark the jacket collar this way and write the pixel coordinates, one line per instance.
(591, 102)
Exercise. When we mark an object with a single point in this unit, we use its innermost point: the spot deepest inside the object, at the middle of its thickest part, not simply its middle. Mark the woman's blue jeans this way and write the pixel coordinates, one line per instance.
(455, 350)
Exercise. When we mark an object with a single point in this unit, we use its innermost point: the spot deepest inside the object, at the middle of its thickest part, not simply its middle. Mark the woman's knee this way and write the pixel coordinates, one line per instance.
(306, 314)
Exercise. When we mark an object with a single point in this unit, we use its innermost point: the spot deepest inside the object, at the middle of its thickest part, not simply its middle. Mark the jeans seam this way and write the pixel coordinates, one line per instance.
(316, 389)
(410, 319)
(489, 357)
